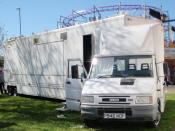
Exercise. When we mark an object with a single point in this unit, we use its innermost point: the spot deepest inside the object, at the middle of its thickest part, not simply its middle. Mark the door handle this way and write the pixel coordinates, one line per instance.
(68, 82)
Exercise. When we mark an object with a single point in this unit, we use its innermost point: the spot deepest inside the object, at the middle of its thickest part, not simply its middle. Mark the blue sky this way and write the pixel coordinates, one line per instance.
(40, 15)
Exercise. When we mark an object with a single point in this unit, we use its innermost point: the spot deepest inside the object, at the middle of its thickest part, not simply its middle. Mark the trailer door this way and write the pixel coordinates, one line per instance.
(87, 51)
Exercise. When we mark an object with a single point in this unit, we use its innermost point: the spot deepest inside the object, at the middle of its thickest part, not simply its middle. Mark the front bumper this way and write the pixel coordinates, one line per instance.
(136, 113)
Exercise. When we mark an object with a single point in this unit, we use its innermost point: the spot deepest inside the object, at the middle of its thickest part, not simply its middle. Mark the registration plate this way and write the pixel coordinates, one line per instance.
(114, 115)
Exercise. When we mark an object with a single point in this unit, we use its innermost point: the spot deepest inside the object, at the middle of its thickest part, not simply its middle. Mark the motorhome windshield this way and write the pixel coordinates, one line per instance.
(125, 66)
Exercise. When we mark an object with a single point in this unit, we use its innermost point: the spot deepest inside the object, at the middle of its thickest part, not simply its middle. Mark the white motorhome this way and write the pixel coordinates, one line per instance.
(125, 81)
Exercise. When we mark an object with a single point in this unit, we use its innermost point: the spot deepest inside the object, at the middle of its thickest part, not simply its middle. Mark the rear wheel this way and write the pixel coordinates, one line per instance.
(9, 90)
(12, 90)
(15, 91)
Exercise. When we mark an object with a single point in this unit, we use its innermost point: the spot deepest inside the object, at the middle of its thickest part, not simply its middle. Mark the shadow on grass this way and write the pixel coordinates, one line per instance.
(41, 98)
(121, 126)
(34, 111)
(71, 117)
(3, 96)
(6, 124)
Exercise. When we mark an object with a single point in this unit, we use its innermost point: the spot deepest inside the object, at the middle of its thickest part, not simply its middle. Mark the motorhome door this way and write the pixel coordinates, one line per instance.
(74, 83)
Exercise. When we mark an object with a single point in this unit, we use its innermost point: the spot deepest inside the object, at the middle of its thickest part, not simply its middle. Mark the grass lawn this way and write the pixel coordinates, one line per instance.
(27, 114)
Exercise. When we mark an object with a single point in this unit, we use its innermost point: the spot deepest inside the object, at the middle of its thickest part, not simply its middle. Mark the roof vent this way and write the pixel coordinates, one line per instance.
(63, 36)
(36, 40)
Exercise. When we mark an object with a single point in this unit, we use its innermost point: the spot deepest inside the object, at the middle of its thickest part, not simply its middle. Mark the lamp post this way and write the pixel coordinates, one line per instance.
(19, 11)
(57, 24)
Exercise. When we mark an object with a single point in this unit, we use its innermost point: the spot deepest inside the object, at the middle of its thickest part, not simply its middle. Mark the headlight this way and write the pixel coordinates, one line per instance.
(87, 99)
(143, 100)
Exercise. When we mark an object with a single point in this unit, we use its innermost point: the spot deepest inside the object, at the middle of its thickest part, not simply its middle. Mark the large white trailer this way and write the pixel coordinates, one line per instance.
(38, 64)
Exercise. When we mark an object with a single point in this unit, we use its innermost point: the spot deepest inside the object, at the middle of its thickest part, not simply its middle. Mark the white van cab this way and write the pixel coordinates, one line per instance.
(126, 80)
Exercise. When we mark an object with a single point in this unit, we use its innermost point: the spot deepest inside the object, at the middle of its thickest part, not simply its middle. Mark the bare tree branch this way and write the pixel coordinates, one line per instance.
(2, 35)
(2, 39)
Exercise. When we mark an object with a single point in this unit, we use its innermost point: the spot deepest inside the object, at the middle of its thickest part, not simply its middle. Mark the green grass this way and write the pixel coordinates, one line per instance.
(27, 114)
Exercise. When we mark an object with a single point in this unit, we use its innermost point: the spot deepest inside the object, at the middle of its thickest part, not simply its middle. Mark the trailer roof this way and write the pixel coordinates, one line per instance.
(136, 20)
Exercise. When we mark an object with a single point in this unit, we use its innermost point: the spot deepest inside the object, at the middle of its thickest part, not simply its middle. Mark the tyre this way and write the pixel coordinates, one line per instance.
(12, 90)
(155, 123)
(15, 91)
(9, 90)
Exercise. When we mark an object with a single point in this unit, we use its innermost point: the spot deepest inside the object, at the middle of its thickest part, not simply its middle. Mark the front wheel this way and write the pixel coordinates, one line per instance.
(155, 123)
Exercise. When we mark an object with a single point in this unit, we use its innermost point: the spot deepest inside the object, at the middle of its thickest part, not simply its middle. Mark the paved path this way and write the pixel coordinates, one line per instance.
(170, 89)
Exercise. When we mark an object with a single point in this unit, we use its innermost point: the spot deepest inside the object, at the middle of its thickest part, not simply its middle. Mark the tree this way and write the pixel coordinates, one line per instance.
(2, 35)
(2, 38)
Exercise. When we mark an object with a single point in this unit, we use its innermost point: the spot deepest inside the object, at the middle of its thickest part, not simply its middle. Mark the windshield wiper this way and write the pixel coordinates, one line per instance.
(103, 76)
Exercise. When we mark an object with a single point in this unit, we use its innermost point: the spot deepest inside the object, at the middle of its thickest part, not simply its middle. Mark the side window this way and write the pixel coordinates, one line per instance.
(73, 66)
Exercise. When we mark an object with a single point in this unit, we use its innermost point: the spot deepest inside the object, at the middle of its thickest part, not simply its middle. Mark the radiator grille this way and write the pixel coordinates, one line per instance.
(114, 100)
